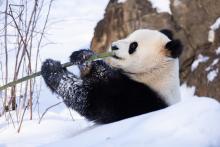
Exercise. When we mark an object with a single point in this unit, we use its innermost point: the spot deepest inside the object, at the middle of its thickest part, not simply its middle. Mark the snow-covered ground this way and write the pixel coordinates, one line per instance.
(194, 122)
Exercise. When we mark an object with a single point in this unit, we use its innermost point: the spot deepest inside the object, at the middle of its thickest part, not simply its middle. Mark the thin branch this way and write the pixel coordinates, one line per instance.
(41, 37)
(6, 50)
(22, 118)
(47, 110)
(19, 32)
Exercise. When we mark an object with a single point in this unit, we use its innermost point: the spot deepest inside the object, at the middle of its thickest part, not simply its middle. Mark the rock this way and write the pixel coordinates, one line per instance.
(121, 19)
(194, 19)
(191, 22)
(200, 77)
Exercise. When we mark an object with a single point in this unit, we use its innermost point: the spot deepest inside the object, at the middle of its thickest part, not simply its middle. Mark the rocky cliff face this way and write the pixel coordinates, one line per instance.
(195, 23)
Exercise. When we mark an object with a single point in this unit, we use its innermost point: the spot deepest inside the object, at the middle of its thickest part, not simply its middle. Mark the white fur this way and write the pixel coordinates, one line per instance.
(149, 63)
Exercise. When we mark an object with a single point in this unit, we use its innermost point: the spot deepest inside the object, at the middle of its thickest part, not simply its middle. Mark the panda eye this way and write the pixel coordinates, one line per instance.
(132, 47)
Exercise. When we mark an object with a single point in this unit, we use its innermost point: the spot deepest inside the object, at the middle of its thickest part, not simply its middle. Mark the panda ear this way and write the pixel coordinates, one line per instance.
(168, 33)
(175, 48)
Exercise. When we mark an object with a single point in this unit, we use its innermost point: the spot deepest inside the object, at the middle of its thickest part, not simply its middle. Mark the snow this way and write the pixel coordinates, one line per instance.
(212, 75)
(121, 1)
(161, 5)
(199, 60)
(187, 92)
(192, 122)
(54, 127)
(195, 126)
(211, 36)
(212, 70)
(215, 62)
(213, 28)
(212, 65)
(216, 25)
(218, 51)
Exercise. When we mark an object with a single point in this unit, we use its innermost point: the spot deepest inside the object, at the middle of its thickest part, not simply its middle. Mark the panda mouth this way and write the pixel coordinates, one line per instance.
(116, 57)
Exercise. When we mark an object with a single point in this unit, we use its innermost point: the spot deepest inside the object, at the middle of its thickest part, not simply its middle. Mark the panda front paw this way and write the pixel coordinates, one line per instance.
(52, 72)
(81, 56)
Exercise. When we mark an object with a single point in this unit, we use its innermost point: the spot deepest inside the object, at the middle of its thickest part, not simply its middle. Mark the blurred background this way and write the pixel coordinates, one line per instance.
(33, 30)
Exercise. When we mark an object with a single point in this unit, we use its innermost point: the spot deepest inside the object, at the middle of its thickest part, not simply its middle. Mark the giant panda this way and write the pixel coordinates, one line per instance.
(142, 76)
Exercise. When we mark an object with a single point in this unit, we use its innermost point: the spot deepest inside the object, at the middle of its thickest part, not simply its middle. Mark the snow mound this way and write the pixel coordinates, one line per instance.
(192, 123)
(53, 127)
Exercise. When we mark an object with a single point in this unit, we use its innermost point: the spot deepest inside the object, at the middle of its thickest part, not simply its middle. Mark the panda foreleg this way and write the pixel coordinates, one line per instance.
(65, 84)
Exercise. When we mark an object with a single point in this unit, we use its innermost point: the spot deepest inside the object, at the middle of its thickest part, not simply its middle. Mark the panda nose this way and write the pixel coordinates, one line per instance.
(114, 47)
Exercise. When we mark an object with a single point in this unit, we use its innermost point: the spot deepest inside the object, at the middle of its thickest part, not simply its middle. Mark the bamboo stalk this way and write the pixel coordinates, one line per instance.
(99, 56)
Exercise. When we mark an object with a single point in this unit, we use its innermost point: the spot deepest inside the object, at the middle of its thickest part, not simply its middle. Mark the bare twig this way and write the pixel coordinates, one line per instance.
(11, 118)
(47, 110)
(41, 37)
(6, 50)
(19, 128)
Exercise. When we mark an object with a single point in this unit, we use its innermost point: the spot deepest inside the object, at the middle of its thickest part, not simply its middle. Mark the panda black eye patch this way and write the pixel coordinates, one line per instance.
(132, 48)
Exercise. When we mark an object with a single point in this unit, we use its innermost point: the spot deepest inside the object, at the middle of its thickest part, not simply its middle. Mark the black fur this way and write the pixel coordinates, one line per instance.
(80, 57)
(175, 47)
(168, 33)
(132, 48)
(104, 95)
(120, 98)
(114, 47)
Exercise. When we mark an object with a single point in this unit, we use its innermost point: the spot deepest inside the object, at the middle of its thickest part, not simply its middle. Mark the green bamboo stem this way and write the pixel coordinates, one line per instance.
(95, 57)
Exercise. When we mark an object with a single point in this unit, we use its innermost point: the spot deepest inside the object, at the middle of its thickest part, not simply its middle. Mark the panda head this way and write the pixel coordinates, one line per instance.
(145, 50)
